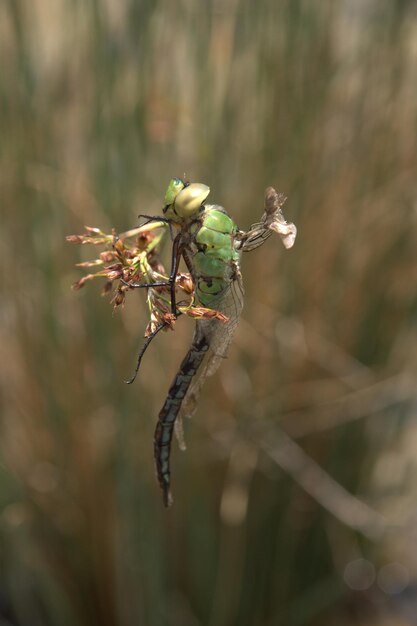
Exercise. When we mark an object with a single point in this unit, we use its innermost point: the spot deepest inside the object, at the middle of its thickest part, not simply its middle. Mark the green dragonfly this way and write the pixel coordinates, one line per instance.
(210, 243)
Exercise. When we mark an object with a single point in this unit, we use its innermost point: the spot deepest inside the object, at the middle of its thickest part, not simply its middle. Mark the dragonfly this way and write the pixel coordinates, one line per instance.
(211, 244)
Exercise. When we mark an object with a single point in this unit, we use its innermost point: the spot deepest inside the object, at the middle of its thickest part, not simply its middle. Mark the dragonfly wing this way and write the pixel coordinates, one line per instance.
(219, 336)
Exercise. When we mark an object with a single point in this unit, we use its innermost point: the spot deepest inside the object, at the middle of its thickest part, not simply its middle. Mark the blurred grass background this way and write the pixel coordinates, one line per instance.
(295, 501)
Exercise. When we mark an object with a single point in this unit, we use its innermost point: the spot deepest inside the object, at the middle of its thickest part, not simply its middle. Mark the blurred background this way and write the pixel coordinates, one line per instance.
(295, 502)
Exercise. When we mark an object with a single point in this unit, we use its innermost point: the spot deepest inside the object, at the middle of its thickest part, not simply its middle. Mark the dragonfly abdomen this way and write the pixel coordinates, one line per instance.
(170, 410)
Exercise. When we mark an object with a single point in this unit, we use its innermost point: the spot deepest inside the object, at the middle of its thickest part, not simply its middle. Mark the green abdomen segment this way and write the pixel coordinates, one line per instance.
(215, 255)
(170, 410)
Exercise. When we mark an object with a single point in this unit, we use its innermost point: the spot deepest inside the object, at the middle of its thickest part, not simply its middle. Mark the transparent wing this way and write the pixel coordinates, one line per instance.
(218, 335)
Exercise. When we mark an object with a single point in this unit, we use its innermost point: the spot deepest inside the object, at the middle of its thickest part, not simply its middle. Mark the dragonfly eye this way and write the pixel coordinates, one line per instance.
(190, 199)
(174, 188)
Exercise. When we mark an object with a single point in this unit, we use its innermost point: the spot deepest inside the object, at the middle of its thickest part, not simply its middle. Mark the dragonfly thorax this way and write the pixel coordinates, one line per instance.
(211, 253)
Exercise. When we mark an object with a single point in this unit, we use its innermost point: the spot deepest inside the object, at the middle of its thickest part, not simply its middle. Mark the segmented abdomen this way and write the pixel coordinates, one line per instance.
(170, 410)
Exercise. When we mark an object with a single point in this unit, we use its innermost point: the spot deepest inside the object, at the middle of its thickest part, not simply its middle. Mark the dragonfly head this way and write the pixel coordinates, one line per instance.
(183, 199)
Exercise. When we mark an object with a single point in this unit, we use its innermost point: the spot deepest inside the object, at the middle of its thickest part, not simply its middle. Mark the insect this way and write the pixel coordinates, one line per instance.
(210, 243)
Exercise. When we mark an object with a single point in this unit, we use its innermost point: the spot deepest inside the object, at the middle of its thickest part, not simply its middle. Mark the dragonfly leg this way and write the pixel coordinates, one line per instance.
(175, 261)
(148, 340)
(154, 218)
(158, 218)
(171, 282)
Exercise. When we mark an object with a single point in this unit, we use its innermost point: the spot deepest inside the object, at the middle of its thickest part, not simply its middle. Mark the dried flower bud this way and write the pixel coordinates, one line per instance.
(152, 326)
(144, 239)
(113, 274)
(217, 315)
(127, 275)
(186, 283)
(201, 312)
(119, 298)
(107, 256)
(119, 246)
(75, 239)
(169, 319)
(114, 266)
(80, 283)
(89, 263)
(95, 231)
